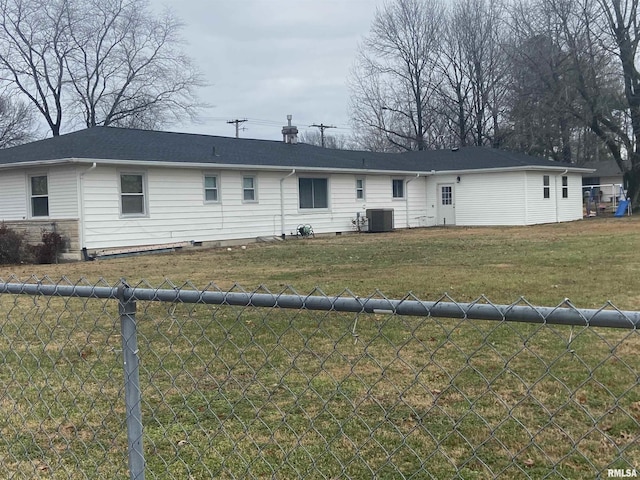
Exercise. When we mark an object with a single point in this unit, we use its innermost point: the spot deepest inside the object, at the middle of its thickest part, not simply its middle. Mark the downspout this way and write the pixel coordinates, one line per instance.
(526, 198)
(406, 198)
(81, 201)
(282, 201)
(557, 199)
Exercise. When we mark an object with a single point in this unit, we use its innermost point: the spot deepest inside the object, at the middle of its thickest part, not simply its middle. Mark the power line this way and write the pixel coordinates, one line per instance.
(322, 128)
(237, 123)
(264, 122)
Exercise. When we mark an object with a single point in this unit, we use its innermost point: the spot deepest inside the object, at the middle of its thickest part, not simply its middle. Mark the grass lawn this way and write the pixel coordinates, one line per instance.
(587, 261)
(260, 393)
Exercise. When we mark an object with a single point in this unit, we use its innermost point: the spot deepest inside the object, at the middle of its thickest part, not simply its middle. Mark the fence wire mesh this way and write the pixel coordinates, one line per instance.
(236, 390)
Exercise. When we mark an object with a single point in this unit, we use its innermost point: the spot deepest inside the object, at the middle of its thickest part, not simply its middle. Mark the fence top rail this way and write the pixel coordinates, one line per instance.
(481, 309)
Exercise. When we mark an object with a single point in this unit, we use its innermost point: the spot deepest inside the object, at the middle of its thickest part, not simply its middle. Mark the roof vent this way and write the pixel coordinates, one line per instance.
(455, 149)
(290, 132)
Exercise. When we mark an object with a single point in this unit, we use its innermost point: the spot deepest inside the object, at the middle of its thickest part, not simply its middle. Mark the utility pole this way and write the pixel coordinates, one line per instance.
(237, 122)
(322, 129)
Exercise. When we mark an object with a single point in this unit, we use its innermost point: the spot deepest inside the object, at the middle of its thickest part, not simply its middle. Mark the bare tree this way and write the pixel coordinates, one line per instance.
(34, 42)
(394, 78)
(473, 67)
(595, 78)
(623, 26)
(16, 122)
(455, 89)
(126, 68)
(109, 61)
(478, 36)
(542, 98)
(313, 137)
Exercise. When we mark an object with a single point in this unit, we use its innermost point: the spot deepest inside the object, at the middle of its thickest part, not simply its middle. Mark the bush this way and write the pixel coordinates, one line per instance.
(14, 248)
(48, 250)
(11, 246)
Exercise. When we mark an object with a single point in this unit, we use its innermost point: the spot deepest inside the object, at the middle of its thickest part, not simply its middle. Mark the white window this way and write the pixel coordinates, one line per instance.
(545, 184)
(398, 187)
(447, 195)
(360, 188)
(249, 189)
(211, 192)
(132, 194)
(39, 190)
(313, 192)
(565, 187)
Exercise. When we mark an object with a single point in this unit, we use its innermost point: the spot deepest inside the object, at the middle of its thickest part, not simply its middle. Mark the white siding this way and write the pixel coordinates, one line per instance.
(176, 208)
(177, 211)
(570, 208)
(555, 208)
(13, 195)
(416, 205)
(63, 193)
(344, 206)
(507, 198)
(540, 209)
(490, 199)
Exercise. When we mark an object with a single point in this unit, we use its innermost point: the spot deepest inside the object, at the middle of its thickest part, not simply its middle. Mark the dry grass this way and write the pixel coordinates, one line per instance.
(233, 392)
(587, 261)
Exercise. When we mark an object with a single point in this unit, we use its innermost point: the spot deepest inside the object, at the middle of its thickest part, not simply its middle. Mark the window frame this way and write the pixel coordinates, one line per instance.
(33, 197)
(216, 189)
(448, 196)
(394, 191)
(313, 181)
(143, 194)
(254, 189)
(360, 189)
(565, 186)
(546, 190)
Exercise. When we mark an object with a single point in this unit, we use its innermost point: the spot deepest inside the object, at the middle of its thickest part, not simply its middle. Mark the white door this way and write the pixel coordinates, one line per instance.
(446, 204)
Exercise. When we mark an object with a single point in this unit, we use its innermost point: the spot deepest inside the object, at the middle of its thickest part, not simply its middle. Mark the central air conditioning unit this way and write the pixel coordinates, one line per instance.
(380, 220)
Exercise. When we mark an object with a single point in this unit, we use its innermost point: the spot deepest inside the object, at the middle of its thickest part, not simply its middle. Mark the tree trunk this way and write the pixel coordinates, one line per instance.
(632, 181)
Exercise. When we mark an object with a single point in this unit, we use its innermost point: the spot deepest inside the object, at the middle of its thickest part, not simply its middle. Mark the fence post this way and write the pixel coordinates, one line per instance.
(127, 311)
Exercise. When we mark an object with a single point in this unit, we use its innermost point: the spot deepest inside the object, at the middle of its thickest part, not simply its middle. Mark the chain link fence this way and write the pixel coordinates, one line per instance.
(175, 382)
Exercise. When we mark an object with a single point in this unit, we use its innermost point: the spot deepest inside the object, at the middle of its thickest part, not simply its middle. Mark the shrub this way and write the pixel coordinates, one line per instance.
(48, 250)
(12, 246)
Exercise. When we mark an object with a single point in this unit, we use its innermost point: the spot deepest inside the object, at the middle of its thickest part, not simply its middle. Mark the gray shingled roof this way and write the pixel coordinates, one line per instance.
(110, 143)
(605, 168)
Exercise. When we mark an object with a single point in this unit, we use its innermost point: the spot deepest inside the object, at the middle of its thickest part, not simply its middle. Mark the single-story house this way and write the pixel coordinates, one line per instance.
(107, 188)
(605, 180)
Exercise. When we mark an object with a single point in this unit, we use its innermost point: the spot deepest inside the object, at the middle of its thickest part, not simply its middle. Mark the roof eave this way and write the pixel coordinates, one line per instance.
(235, 166)
(523, 168)
(275, 168)
(42, 163)
(204, 166)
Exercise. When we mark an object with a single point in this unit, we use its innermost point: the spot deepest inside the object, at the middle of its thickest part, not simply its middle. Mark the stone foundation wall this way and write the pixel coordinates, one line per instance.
(67, 228)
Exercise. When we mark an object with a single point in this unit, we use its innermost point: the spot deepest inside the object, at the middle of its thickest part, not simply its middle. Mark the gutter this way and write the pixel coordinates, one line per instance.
(282, 201)
(205, 165)
(231, 166)
(529, 168)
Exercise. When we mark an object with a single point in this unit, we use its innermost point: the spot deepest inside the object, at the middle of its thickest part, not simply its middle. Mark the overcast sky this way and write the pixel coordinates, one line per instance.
(265, 59)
